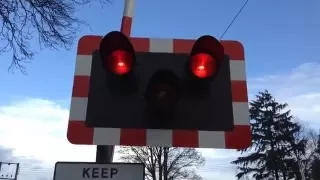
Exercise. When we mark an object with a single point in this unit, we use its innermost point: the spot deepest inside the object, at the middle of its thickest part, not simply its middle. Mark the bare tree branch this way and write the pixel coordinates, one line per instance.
(180, 162)
(52, 23)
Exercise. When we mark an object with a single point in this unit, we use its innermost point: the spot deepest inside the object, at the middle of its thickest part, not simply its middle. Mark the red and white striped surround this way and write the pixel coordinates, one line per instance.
(78, 133)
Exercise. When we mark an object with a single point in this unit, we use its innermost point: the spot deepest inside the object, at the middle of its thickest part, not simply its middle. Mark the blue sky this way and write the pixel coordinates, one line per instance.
(281, 41)
(277, 35)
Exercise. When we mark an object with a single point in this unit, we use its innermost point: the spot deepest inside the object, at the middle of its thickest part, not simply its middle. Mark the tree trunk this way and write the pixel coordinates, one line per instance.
(160, 163)
(284, 175)
(276, 169)
(165, 163)
(153, 164)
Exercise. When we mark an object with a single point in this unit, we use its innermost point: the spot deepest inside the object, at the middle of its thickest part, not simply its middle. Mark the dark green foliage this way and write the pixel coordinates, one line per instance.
(315, 171)
(315, 167)
(317, 151)
(273, 154)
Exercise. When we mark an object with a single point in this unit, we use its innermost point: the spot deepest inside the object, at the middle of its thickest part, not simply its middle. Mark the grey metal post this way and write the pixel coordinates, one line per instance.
(104, 154)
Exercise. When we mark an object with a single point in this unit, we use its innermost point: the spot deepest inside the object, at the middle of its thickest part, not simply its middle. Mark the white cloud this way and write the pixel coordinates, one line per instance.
(300, 88)
(37, 128)
(218, 164)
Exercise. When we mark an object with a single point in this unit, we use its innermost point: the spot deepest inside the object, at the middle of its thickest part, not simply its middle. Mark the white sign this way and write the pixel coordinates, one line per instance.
(95, 171)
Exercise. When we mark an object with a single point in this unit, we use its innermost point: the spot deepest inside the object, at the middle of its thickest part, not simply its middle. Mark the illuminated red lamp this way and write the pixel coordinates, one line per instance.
(203, 65)
(206, 56)
(119, 62)
(117, 53)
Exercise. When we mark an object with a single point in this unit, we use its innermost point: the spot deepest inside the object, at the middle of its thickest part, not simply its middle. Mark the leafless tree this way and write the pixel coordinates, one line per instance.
(52, 23)
(165, 163)
(305, 159)
(312, 136)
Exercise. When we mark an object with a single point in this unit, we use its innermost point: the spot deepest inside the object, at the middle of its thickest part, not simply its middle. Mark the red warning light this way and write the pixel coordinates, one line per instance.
(206, 56)
(117, 53)
(203, 65)
(120, 62)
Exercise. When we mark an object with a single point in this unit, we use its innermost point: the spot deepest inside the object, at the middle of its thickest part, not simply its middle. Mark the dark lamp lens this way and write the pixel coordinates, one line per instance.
(163, 92)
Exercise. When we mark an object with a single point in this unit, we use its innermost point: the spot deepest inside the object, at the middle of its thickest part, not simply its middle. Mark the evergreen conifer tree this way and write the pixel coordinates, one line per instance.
(315, 169)
(273, 128)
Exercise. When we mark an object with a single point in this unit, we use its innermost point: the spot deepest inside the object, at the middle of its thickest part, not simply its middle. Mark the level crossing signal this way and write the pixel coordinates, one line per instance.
(159, 92)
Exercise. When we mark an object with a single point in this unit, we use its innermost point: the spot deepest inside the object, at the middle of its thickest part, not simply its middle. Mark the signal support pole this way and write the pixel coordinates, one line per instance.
(104, 153)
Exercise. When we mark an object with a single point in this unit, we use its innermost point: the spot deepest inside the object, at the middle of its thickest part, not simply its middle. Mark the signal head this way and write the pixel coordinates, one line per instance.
(206, 56)
(117, 53)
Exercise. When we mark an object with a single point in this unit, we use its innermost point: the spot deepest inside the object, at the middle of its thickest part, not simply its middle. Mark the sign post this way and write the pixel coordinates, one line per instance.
(104, 154)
